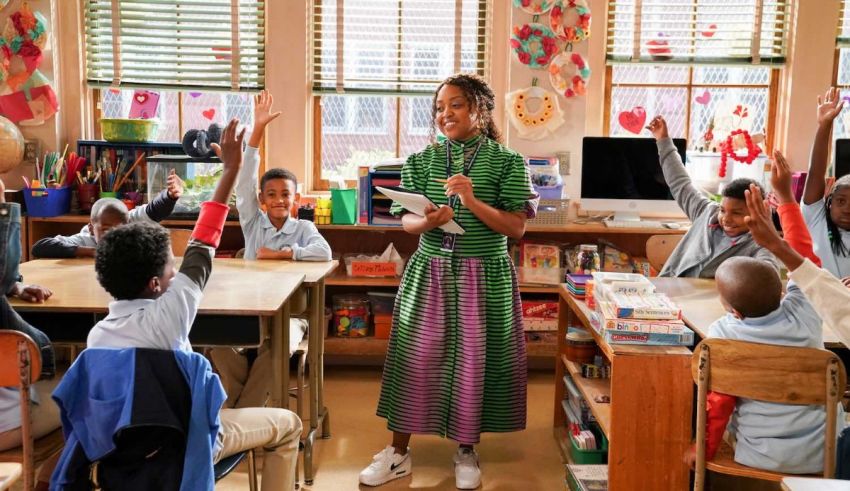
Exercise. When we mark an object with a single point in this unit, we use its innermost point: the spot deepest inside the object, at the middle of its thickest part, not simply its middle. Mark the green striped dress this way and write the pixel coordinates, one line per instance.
(456, 363)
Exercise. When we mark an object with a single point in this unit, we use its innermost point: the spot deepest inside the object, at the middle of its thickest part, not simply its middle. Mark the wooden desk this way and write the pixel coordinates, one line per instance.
(314, 281)
(701, 305)
(813, 484)
(236, 295)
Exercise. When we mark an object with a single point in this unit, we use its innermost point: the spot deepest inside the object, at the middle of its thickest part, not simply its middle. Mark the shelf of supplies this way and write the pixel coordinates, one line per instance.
(341, 279)
(82, 219)
(562, 438)
(577, 228)
(363, 227)
(370, 346)
(590, 388)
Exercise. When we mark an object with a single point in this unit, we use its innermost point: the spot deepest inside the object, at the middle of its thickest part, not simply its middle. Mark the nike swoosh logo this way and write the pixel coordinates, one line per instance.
(395, 466)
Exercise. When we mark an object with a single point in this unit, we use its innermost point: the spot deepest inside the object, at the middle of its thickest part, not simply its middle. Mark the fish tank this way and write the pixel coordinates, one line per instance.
(199, 181)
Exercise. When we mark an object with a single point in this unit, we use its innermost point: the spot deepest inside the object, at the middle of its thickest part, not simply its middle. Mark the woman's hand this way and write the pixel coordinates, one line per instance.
(461, 186)
(437, 217)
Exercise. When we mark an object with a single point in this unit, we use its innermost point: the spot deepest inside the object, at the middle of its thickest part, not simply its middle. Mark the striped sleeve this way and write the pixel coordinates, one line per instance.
(412, 179)
(517, 193)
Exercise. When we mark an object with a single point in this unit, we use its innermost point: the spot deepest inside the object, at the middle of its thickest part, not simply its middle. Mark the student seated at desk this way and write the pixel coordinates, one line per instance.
(776, 437)
(45, 414)
(155, 307)
(718, 231)
(105, 214)
(271, 235)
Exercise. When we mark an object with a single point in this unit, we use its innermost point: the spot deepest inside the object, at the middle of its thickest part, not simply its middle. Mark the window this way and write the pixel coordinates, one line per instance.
(842, 70)
(703, 64)
(394, 54)
(179, 112)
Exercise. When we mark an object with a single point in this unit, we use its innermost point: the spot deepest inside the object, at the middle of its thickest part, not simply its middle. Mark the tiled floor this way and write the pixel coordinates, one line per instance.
(526, 460)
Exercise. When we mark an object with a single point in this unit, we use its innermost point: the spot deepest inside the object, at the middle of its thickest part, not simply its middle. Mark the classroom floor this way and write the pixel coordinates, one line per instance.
(357, 434)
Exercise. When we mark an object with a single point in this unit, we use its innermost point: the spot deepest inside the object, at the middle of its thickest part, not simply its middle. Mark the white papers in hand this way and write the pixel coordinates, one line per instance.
(416, 203)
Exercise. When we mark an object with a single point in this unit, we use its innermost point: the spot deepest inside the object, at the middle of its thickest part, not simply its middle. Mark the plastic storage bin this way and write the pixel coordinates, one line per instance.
(199, 181)
(49, 202)
(599, 456)
(351, 315)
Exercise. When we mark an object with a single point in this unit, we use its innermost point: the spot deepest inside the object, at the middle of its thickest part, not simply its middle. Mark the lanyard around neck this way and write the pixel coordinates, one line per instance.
(467, 166)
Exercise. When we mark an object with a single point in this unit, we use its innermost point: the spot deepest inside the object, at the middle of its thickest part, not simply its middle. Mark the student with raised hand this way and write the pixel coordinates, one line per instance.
(718, 231)
(828, 215)
(107, 213)
(155, 306)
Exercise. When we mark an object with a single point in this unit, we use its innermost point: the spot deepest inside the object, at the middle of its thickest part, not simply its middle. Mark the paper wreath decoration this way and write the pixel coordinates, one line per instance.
(534, 45)
(534, 7)
(574, 33)
(566, 85)
(534, 123)
(28, 98)
(727, 150)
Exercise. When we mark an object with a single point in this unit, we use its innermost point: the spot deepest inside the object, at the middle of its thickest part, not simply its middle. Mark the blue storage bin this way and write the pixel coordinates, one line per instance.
(47, 202)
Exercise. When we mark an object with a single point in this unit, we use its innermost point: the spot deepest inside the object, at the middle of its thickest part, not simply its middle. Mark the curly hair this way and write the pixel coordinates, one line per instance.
(129, 256)
(839, 248)
(278, 173)
(481, 100)
(736, 188)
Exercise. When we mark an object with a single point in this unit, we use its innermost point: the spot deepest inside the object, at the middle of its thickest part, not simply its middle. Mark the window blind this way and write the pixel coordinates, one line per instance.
(396, 46)
(698, 31)
(844, 26)
(176, 44)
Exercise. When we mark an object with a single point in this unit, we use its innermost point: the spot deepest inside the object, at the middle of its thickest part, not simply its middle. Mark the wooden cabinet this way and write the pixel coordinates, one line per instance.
(647, 422)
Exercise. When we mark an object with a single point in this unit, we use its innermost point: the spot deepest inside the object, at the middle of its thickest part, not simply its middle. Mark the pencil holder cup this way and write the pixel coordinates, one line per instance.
(87, 194)
(47, 202)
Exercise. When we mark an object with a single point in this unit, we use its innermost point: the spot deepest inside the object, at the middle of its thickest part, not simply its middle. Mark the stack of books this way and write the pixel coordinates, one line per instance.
(576, 284)
(630, 311)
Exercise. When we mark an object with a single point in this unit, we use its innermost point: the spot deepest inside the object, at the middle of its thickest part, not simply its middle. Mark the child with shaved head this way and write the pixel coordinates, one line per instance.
(776, 437)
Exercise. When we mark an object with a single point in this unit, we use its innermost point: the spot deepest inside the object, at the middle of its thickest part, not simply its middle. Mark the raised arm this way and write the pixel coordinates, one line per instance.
(247, 201)
(796, 233)
(828, 109)
(687, 196)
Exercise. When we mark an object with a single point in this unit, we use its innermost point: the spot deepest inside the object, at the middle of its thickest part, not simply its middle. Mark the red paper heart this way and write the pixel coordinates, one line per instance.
(115, 91)
(633, 120)
(141, 98)
(704, 99)
(712, 28)
(209, 113)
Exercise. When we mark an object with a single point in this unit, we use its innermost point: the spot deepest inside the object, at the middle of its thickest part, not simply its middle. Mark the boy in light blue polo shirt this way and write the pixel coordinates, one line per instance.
(271, 234)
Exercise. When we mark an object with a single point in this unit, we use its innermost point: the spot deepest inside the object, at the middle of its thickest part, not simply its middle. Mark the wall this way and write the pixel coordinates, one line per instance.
(289, 141)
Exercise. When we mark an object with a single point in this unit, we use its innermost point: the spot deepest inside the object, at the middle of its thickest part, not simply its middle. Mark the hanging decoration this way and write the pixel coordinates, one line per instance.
(728, 150)
(570, 19)
(634, 120)
(534, 7)
(534, 45)
(534, 112)
(568, 74)
(28, 98)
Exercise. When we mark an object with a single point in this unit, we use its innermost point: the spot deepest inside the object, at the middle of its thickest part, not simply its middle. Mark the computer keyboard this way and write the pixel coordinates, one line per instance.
(631, 224)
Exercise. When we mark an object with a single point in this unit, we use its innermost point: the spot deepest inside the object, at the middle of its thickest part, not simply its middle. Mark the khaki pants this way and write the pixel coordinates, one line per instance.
(278, 431)
(45, 419)
(251, 386)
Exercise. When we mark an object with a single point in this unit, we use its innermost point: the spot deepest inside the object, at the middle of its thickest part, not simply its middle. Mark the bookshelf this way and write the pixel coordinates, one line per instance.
(647, 422)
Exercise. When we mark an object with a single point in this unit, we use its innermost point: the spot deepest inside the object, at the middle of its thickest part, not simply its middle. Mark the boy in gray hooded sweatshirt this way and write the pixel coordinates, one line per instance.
(718, 231)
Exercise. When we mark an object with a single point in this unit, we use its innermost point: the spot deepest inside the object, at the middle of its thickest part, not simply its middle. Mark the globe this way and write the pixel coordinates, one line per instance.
(11, 145)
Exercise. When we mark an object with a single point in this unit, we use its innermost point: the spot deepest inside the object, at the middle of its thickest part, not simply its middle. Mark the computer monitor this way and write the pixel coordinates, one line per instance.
(842, 157)
(624, 175)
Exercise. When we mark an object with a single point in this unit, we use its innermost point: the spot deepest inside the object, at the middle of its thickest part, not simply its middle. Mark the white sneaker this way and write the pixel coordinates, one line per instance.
(467, 472)
(386, 466)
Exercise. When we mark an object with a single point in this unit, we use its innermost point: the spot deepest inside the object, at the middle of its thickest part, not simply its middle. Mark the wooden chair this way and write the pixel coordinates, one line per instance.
(659, 248)
(179, 240)
(20, 367)
(769, 373)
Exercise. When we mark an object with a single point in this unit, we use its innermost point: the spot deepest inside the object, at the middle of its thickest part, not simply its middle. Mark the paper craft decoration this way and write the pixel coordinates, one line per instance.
(568, 74)
(728, 150)
(28, 99)
(534, 45)
(416, 203)
(634, 120)
(570, 19)
(659, 48)
(144, 105)
(534, 112)
(704, 99)
(534, 7)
